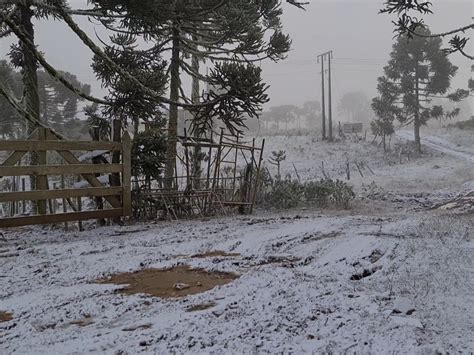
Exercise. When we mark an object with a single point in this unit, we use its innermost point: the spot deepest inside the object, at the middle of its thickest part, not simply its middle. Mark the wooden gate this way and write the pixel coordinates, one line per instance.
(43, 140)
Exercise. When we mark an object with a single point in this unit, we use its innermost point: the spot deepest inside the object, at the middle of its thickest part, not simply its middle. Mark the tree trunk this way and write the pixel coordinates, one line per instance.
(197, 130)
(30, 82)
(173, 111)
(136, 127)
(416, 125)
(416, 122)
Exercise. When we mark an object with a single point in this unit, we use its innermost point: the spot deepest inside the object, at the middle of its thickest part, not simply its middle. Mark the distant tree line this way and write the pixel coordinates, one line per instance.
(59, 107)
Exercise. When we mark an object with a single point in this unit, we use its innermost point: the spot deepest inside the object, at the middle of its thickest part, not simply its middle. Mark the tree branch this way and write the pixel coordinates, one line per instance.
(22, 112)
(50, 69)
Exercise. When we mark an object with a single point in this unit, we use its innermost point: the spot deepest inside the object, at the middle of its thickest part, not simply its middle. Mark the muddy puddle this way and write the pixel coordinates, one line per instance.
(179, 281)
(5, 316)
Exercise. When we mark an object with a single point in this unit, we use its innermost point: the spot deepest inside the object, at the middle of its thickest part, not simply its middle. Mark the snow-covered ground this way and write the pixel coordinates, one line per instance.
(435, 171)
(441, 145)
(389, 275)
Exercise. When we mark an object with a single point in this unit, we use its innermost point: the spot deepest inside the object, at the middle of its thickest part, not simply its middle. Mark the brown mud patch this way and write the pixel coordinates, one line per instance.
(201, 307)
(179, 281)
(215, 253)
(87, 320)
(5, 317)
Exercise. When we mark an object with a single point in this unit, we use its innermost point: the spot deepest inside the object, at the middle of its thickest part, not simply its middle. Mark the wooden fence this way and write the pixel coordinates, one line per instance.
(42, 141)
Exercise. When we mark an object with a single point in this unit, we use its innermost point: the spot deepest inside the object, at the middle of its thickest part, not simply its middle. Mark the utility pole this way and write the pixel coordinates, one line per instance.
(323, 101)
(321, 58)
(329, 96)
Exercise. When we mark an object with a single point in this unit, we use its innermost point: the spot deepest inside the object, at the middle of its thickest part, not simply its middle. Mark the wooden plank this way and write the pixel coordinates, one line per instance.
(59, 218)
(90, 178)
(14, 158)
(63, 186)
(127, 174)
(38, 170)
(42, 180)
(60, 193)
(38, 145)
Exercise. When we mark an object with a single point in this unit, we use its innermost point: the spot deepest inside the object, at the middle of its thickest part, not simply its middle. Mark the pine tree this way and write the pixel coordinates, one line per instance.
(410, 26)
(230, 34)
(418, 71)
(385, 109)
(10, 123)
(58, 105)
(127, 102)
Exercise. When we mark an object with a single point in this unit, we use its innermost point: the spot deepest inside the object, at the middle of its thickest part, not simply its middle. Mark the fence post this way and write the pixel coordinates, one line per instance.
(23, 203)
(42, 180)
(126, 174)
(63, 186)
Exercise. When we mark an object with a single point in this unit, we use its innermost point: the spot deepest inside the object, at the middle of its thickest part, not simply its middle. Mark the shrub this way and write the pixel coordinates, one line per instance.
(148, 154)
(289, 193)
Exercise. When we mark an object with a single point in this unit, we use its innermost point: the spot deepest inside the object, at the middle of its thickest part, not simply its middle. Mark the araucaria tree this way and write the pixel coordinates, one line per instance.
(126, 102)
(418, 71)
(229, 35)
(386, 110)
(409, 25)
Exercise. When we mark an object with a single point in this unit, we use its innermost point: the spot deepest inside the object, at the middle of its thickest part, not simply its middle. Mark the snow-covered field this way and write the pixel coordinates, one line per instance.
(389, 275)
(435, 171)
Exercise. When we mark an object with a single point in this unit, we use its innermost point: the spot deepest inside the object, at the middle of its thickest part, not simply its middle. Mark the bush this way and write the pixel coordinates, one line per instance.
(289, 193)
(148, 154)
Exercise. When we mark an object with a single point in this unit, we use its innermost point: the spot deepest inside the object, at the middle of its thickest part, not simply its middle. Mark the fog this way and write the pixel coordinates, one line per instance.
(359, 37)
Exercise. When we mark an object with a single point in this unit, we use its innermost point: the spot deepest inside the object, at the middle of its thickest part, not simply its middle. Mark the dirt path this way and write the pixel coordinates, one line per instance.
(438, 144)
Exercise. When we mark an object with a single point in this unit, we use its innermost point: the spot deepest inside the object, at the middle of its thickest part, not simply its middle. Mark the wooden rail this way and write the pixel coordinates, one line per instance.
(42, 141)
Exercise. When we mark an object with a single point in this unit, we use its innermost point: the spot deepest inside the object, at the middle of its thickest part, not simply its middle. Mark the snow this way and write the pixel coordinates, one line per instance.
(92, 154)
(387, 276)
(439, 144)
(104, 179)
(295, 292)
(406, 321)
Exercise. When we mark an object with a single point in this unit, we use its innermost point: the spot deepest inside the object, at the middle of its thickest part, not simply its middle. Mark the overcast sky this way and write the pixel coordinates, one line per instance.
(360, 38)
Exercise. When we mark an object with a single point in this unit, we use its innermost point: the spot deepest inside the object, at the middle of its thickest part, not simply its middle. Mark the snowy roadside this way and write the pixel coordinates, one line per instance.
(441, 145)
(385, 282)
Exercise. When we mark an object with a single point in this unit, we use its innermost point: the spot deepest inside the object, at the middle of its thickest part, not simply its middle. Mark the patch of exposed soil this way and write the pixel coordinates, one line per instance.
(5, 317)
(179, 281)
(138, 327)
(88, 320)
(365, 273)
(215, 253)
(201, 307)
